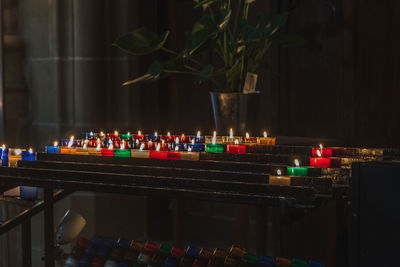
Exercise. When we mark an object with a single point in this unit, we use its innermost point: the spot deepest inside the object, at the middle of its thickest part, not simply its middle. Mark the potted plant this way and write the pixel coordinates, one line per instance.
(238, 46)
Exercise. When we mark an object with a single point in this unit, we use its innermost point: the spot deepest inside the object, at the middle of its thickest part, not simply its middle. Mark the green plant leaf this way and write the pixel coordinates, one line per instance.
(141, 42)
(276, 23)
(205, 32)
(153, 74)
(204, 3)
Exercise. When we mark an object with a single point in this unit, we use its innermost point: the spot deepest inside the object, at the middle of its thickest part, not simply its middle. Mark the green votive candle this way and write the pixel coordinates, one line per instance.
(125, 136)
(297, 171)
(122, 153)
(215, 148)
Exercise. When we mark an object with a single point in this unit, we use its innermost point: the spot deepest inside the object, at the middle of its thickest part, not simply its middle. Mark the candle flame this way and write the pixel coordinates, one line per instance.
(296, 162)
(319, 153)
(192, 141)
(265, 134)
(18, 152)
(101, 133)
(3, 147)
(85, 143)
(139, 133)
(177, 148)
(55, 143)
(155, 134)
(215, 134)
(321, 146)
(110, 146)
(198, 134)
(91, 133)
(169, 134)
(98, 144)
(231, 133)
(247, 135)
(137, 141)
(158, 147)
(190, 149)
(123, 144)
(214, 140)
(116, 133)
(30, 150)
(279, 172)
(177, 140)
(128, 134)
(236, 142)
(71, 141)
(183, 136)
(141, 147)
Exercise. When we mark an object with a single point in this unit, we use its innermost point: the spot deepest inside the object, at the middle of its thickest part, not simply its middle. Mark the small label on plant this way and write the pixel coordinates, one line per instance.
(250, 83)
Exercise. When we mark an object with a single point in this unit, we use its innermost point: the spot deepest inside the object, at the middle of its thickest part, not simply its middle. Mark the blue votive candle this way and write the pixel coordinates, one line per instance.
(28, 155)
(55, 149)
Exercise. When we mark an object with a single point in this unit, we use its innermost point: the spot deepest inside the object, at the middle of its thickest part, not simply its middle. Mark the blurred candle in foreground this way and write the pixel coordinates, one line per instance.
(279, 179)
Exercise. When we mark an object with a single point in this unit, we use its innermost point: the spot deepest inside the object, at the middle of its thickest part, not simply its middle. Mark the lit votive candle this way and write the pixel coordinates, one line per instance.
(236, 148)
(190, 155)
(158, 153)
(122, 151)
(70, 148)
(174, 155)
(297, 171)
(250, 140)
(126, 137)
(322, 151)
(14, 155)
(195, 147)
(279, 179)
(29, 155)
(215, 148)
(321, 162)
(266, 141)
(4, 156)
(54, 149)
(140, 153)
(94, 151)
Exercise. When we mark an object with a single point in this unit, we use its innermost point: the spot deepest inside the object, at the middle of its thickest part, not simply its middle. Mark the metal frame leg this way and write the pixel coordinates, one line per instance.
(48, 227)
(26, 243)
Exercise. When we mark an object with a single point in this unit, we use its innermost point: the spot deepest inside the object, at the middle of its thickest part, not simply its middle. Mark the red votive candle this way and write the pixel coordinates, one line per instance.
(325, 152)
(174, 155)
(107, 152)
(236, 149)
(325, 162)
(158, 154)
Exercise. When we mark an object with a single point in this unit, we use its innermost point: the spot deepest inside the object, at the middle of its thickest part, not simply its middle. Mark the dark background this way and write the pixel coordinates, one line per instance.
(62, 75)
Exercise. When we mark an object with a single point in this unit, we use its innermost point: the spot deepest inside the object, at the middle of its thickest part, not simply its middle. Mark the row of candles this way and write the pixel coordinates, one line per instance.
(143, 145)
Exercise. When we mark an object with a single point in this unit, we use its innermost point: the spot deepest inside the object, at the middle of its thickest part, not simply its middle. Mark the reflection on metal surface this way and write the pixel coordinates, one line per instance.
(235, 110)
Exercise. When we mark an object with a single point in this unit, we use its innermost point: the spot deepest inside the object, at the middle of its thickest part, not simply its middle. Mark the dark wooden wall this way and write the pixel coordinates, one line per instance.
(342, 84)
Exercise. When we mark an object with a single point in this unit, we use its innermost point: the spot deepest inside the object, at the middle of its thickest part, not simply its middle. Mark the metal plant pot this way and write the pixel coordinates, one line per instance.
(235, 110)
